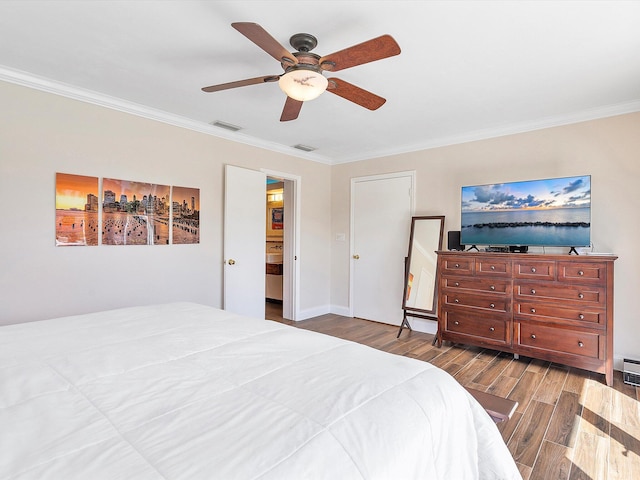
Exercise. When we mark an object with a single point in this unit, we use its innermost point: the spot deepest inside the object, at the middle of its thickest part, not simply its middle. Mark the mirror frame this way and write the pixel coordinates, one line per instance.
(422, 311)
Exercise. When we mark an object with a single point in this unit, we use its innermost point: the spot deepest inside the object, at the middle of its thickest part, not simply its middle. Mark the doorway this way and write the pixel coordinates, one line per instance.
(282, 234)
(245, 237)
(274, 248)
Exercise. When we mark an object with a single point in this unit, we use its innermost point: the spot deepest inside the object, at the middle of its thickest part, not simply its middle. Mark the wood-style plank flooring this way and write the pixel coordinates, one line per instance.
(569, 425)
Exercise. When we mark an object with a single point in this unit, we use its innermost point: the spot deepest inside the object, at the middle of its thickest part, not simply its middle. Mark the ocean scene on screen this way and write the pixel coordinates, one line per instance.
(550, 212)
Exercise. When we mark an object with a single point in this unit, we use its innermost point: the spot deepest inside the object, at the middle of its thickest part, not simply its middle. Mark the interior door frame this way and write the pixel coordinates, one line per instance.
(291, 252)
(354, 182)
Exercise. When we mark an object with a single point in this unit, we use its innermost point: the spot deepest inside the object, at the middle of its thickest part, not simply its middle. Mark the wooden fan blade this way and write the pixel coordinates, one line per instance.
(370, 51)
(291, 109)
(266, 42)
(355, 94)
(241, 83)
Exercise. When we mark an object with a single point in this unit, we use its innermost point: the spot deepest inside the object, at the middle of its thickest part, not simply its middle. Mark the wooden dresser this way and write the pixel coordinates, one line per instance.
(552, 307)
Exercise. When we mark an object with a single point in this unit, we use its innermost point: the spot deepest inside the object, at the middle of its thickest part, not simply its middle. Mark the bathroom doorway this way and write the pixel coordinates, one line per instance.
(281, 248)
(274, 249)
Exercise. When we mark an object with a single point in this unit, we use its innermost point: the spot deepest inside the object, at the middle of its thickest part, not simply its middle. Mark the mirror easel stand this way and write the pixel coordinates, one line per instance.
(405, 323)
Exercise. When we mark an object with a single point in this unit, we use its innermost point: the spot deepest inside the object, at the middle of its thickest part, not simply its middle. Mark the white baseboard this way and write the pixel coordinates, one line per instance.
(313, 312)
(340, 310)
(423, 325)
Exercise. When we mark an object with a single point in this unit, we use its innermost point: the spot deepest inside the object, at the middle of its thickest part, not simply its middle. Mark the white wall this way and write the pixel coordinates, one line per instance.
(607, 149)
(41, 134)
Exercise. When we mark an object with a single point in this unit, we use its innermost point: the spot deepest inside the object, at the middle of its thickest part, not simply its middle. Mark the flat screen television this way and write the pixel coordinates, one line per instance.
(550, 212)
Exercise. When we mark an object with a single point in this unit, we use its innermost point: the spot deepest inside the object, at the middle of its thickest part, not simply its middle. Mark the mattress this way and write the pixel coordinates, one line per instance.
(186, 391)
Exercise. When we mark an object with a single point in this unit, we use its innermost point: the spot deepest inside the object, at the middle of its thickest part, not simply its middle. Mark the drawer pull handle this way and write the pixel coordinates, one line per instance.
(580, 295)
(533, 269)
(581, 316)
(492, 329)
(456, 301)
(457, 284)
(533, 292)
(580, 344)
(581, 273)
(457, 265)
(456, 323)
(492, 305)
(533, 310)
(492, 287)
(533, 336)
(493, 267)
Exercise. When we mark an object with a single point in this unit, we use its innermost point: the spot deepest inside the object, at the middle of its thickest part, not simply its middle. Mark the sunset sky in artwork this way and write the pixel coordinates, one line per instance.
(180, 194)
(139, 189)
(72, 190)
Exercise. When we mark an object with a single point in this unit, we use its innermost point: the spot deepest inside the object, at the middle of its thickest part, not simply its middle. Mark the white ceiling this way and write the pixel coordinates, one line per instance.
(468, 69)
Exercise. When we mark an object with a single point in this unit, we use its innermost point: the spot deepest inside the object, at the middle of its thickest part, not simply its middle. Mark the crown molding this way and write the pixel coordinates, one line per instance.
(512, 129)
(88, 96)
(40, 83)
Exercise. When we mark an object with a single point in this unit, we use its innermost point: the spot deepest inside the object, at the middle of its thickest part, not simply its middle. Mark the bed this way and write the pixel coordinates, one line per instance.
(186, 391)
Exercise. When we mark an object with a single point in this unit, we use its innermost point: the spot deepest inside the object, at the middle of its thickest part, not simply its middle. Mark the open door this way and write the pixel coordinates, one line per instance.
(244, 241)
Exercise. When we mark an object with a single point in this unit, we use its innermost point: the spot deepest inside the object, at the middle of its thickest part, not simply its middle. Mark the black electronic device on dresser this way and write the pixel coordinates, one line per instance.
(557, 308)
(453, 241)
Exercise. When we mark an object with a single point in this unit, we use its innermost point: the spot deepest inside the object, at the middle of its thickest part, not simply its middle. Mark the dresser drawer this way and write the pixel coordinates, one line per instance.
(458, 265)
(550, 292)
(564, 341)
(587, 316)
(493, 303)
(538, 269)
(492, 329)
(478, 284)
(493, 266)
(595, 273)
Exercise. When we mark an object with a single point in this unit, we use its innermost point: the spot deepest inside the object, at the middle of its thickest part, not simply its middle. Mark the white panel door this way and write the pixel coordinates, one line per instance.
(381, 223)
(244, 241)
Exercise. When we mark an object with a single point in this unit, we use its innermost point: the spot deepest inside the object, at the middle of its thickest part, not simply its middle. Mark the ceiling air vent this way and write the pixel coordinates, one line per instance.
(304, 148)
(226, 126)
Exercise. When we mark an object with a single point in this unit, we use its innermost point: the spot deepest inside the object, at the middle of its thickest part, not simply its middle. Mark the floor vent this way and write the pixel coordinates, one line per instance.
(631, 373)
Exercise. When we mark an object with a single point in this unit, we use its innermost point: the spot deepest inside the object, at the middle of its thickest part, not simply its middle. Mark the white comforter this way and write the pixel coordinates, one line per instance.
(192, 392)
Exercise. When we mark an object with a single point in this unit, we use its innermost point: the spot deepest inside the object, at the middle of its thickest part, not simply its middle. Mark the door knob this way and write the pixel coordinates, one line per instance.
(231, 261)
(356, 257)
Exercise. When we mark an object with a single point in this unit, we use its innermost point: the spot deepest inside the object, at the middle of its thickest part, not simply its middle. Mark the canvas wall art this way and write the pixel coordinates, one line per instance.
(186, 215)
(76, 210)
(134, 213)
(277, 218)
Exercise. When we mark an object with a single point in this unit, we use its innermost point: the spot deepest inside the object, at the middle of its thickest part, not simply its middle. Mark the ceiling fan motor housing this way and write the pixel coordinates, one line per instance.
(303, 42)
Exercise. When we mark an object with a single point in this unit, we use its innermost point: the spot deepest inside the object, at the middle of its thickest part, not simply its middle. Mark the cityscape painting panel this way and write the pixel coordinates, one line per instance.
(76, 210)
(134, 213)
(186, 215)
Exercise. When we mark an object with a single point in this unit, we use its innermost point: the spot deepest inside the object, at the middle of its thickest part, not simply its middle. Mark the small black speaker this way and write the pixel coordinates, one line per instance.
(453, 241)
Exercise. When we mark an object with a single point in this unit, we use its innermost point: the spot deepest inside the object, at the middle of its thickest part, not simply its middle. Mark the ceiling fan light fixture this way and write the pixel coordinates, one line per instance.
(302, 84)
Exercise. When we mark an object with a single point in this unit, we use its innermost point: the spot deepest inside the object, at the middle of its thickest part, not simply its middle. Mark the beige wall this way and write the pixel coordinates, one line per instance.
(41, 134)
(607, 149)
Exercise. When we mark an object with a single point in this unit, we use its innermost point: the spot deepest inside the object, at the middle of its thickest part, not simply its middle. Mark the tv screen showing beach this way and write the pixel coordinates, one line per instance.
(550, 212)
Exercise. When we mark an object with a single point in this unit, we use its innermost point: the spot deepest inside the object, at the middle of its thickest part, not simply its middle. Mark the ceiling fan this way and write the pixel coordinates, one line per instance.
(303, 77)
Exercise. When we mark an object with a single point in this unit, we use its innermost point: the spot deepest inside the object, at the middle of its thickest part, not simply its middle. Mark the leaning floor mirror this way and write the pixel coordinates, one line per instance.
(420, 272)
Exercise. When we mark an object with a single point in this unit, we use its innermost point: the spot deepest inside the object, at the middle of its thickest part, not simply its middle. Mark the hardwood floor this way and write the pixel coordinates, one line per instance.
(568, 425)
